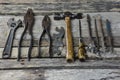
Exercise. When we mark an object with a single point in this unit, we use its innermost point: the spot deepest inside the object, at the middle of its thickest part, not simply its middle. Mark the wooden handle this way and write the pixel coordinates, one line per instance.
(81, 52)
(69, 42)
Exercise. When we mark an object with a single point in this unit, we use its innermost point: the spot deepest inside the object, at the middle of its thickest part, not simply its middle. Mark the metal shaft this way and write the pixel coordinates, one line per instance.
(91, 46)
(108, 27)
(102, 34)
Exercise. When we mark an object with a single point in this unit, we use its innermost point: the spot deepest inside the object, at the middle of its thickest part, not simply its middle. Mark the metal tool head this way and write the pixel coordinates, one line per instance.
(29, 11)
(60, 16)
(14, 24)
(61, 31)
(46, 22)
(29, 16)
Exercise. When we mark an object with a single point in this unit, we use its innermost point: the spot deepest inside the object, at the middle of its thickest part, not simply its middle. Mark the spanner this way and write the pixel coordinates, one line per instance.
(14, 25)
(58, 40)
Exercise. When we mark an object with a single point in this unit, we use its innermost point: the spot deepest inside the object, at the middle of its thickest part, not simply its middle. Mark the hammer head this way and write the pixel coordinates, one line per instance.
(60, 16)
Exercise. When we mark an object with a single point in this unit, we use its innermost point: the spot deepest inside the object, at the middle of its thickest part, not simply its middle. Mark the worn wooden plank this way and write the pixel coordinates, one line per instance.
(112, 16)
(41, 7)
(22, 75)
(58, 64)
(64, 74)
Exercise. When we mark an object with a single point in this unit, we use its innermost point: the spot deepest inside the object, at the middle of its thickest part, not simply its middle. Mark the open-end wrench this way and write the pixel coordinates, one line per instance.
(14, 25)
(58, 40)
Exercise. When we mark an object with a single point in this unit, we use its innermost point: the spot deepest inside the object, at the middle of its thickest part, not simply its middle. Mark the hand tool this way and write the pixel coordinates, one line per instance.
(29, 23)
(97, 39)
(68, 16)
(81, 50)
(109, 33)
(14, 25)
(91, 46)
(46, 23)
(102, 34)
(58, 40)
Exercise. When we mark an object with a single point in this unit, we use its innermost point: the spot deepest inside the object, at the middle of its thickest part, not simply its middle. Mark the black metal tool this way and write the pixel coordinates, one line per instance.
(109, 33)
(14, 25)
(97, 40)
(29, 22)
(58, 40)
(91, 45)
(46, 23)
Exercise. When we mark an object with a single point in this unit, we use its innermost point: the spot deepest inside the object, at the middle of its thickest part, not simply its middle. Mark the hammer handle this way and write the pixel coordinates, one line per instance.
(69, 42)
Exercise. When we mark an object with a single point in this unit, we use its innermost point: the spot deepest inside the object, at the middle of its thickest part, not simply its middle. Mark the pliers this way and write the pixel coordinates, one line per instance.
(46, 23)
(29, 22)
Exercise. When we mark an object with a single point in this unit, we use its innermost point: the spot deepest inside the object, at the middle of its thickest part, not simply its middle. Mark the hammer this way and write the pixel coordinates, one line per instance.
(68, 16)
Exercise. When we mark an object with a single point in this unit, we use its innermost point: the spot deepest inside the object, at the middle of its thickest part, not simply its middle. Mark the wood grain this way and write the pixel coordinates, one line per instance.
(58, 64)
(14, 7)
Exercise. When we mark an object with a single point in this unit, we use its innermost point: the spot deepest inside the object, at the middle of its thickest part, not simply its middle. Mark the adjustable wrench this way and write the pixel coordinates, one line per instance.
(14, 25)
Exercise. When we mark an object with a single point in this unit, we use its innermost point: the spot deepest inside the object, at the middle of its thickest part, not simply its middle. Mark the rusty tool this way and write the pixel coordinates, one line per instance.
(14, 25)
(102, 34)
(29, 23)
(91, 46)
(46, 24)
(109, 33)
(68, 16)
(97, 39)
(58, 40)
(81, 50)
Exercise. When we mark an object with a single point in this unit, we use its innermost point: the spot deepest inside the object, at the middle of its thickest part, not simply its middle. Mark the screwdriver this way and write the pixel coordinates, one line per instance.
(81, 49)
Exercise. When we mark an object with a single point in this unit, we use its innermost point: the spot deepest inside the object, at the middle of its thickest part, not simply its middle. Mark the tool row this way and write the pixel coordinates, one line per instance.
(94, 45)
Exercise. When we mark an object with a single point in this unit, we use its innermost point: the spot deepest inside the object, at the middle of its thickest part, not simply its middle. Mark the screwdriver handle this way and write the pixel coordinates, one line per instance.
(81, 52)
(69, 42)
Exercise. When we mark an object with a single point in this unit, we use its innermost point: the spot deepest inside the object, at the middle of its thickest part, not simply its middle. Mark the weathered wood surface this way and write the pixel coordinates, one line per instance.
(112, 16)
(68, 74)
(46, 6)
(47, 63)
(45, 54)
(4, 30)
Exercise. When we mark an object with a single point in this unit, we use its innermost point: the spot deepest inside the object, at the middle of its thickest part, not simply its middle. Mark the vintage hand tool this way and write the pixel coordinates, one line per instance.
(14, 25)
(91, 46)
(69, 43)
(109, 33)
(81, 50)
(29, 22)
(58, 40)
(46, 23)
(102, 34)
(97, 40)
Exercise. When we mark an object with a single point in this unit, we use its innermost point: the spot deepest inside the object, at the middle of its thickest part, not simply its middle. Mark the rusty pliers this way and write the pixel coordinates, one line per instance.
(46, 23)
(29, 22)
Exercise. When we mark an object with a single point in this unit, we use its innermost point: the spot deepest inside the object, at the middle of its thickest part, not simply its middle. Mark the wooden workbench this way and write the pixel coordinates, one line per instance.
(57, 68)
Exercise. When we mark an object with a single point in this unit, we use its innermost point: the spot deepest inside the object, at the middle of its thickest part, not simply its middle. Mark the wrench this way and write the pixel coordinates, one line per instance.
(58, 40)
(14, 25)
